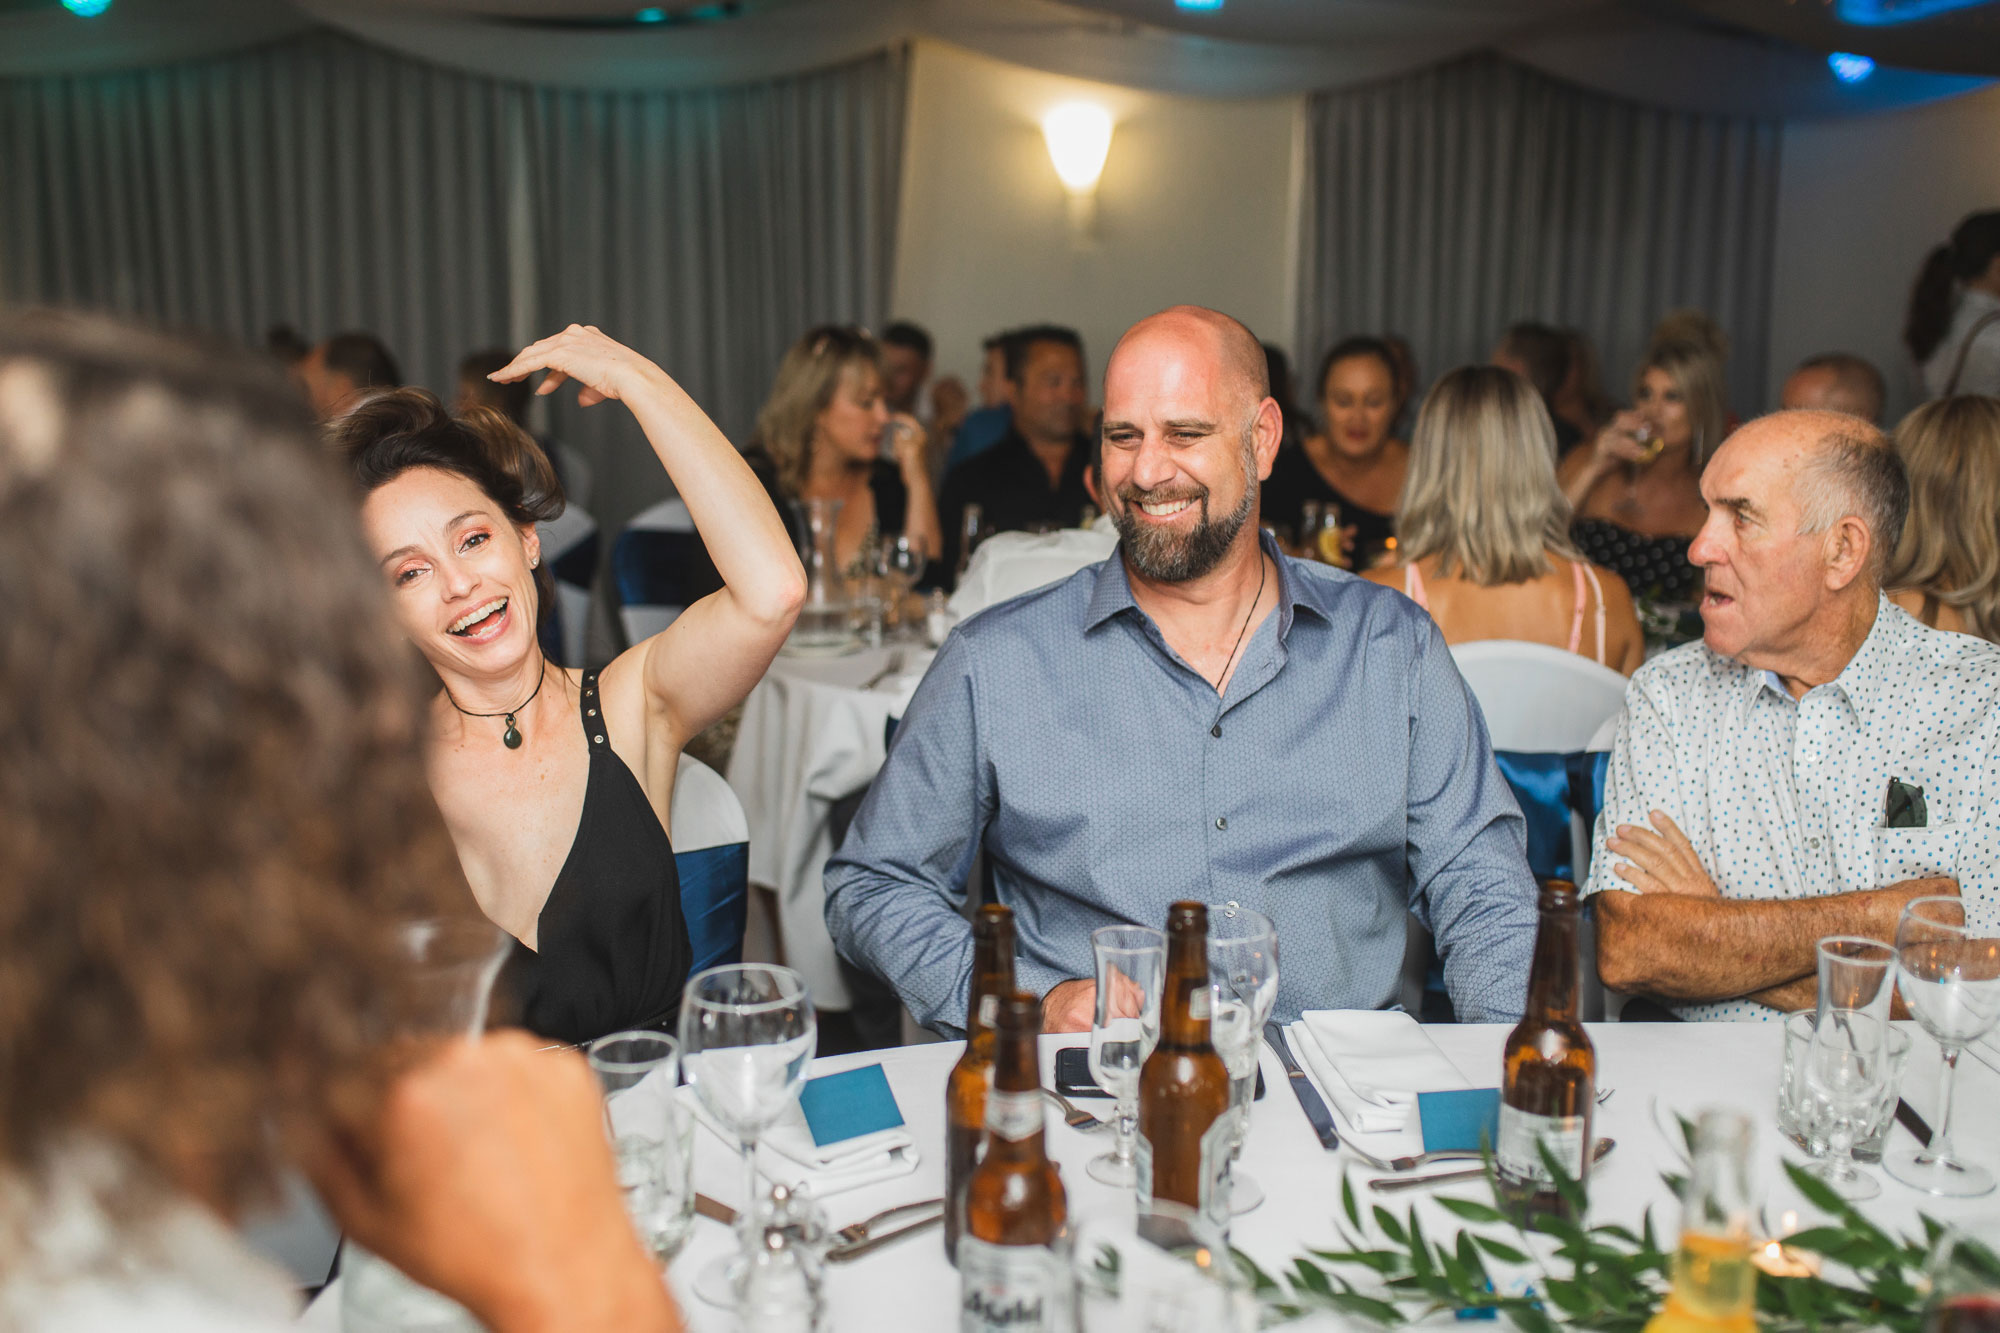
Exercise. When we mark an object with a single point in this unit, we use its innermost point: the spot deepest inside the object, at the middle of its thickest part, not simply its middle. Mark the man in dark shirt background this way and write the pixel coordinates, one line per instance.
(1034, 476)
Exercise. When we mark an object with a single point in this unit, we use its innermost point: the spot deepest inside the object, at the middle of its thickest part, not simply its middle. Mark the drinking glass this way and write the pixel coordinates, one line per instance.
(651, 1138)
(1131, 968)
(1157, 1268)
(1948, 968)
(1856, 973)
(747, 1034)
(899, 565)
(1845, 1069)
(1243, 986)
(1799, 1115)
(971, 532)
(1965, 1286)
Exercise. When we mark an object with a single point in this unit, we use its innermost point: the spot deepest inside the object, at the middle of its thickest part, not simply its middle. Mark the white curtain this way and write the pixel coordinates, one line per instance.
(326, 184)
(1448, 204)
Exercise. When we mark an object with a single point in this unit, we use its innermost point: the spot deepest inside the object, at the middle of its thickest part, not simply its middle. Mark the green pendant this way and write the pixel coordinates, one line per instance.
(512, 736)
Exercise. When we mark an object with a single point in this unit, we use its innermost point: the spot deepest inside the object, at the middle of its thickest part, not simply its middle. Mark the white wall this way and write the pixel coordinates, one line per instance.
(1195, 205)
(1861, 201)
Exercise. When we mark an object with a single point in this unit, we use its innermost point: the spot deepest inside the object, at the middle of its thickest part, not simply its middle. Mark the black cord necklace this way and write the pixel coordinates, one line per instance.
(511, 738)
(1261, 573)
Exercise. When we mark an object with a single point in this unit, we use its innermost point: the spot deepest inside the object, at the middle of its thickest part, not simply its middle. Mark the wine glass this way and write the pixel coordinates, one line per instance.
(1131, 969)
(1948, 969)
(1965, 1285)
(1243, 985)
(747, 1034)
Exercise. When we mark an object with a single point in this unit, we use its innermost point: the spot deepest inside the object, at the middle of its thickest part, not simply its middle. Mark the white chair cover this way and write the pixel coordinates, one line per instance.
(1537, 698)
(570, 531)
(705, 811)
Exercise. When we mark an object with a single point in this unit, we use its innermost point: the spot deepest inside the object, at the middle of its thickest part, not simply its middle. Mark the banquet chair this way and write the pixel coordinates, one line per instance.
(569, 545)
(712, 856)
(659, 567)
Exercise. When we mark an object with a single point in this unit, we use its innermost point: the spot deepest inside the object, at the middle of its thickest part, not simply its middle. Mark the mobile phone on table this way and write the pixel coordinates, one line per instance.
(1073, 1075)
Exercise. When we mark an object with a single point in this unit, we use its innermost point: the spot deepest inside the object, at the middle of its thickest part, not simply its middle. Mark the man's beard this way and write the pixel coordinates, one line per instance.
(1166, 556)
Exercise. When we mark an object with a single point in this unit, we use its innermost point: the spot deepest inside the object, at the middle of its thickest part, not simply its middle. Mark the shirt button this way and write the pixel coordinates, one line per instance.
(1221, 821)
(1813, 843)
(1216, 731)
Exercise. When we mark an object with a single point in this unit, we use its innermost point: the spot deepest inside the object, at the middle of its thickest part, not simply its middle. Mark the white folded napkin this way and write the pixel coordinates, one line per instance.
(787, 1154)
(1371, 1063)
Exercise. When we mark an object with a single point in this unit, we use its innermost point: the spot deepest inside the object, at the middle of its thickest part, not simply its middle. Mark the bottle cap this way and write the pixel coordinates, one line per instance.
(1558, 895)
(1188, 916)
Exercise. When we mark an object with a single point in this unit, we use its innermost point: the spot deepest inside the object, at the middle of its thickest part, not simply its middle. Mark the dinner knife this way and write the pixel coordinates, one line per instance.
(1309, 1099)
(1913, 1122)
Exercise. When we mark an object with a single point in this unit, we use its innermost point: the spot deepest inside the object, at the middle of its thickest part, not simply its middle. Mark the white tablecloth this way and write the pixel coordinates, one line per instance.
(810, 735)
(1657, 1069)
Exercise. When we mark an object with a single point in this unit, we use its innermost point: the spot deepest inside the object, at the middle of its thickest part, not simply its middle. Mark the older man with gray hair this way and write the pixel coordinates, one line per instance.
(1817, 761)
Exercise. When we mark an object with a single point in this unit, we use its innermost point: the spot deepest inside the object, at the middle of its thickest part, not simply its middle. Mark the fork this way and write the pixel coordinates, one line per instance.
(1073, 1115)
(856, 1232)
(895, 668)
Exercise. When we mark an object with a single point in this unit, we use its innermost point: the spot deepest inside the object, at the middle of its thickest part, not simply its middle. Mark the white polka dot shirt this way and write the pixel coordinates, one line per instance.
(1787, 798)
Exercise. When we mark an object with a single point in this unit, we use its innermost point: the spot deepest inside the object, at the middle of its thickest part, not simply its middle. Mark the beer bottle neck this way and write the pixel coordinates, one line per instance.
(992, 977)
(1184, 1003)
(1552, 982)
(1014, 1114)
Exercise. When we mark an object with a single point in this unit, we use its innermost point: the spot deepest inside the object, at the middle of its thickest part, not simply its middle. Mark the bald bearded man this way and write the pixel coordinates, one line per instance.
(1196, 717)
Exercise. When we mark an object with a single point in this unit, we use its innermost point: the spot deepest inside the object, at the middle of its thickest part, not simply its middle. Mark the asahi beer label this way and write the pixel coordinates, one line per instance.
(1523, 1134)
(1014, 1115)
(1142, 1167)
(1198, 1003)
(989, 1009)
(1010, 1288)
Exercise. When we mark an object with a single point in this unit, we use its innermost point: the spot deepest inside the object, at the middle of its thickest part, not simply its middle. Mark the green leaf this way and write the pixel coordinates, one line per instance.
(1469, 1260)
(1820, 1240)
(1367, 1307)
(1529, 1318)
(1390, 1226)
(1382, 1261)
(1817, 1192)
(1567, 1186)
(1499, 1250)
(1306, 1276)
(1260, 1281)
(1347, 1203)
(1471, 1211)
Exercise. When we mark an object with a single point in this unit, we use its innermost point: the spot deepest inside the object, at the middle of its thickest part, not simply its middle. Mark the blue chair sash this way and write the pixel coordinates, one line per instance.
(715, 899)
(1549, 789)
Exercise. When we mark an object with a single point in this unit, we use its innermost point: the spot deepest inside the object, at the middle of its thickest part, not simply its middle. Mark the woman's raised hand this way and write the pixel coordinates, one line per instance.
(1620, 440)
(602, 367)
(907, 438)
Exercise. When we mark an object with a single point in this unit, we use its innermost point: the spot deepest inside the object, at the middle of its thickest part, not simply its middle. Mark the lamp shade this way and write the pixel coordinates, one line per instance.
(1079, 136)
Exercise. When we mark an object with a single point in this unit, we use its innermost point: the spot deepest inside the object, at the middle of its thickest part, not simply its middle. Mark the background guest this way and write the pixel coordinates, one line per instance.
(199, 973)
(1835, 382)
(1539, 354)
(1354, 461)
(1284, 392)
(1581, 401)
(555, 783)
(1946, 569)
(986, 425)
(1482, 534)
(343, 370)
(1033, 478)
(1952, 327)
(283, 342)
(1744, 812)
(819, 437)
(906, 367)
(1638, 504)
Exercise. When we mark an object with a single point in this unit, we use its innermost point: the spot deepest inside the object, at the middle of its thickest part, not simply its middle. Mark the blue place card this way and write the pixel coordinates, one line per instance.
(849, 1104)
(1459, 1118)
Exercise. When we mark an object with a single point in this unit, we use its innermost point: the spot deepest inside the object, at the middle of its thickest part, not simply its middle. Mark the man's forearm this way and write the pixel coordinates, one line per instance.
(1802, 993)
(1680, 947)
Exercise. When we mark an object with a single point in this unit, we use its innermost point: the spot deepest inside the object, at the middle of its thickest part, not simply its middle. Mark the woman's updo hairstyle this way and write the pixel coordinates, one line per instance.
(1934, 299)
(395, 432)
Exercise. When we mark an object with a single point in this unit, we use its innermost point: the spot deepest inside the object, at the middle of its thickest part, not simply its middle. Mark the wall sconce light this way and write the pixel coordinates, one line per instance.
(1079, 136)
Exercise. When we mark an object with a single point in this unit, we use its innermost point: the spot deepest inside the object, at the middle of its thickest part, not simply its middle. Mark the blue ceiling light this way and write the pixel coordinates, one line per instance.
(650, 16)
(1886, 13)
(1849, 68)
(86, 9)
(1198, 4)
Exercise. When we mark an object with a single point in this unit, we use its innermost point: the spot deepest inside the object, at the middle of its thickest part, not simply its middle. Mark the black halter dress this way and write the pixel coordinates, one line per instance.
(612, 944)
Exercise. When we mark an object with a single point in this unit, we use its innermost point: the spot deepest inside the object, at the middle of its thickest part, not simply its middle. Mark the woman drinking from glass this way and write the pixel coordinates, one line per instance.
(1482, 535)
(556, 783)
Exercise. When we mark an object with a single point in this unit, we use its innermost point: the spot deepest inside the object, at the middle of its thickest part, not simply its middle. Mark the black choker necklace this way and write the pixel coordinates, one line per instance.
(512, 736)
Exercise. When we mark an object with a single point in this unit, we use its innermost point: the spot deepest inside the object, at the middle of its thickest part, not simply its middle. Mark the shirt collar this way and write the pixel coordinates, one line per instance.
(1861, 681)
(1113, 590)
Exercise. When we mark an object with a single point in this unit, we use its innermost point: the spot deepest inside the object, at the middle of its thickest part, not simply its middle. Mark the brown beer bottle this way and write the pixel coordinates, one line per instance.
(1009, 1276)
(1184, 1086)
(965, 1089)
(1548, 1085)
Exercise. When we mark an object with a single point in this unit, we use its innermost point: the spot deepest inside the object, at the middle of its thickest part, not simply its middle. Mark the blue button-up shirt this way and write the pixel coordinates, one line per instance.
(1345, 780)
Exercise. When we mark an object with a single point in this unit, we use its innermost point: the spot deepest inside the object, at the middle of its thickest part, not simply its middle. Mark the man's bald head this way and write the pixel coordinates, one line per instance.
(1836, 382)
(1197, 330)
(1840, 465)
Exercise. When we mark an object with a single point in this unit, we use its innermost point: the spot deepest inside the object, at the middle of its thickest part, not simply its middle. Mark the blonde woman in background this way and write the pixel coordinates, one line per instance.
(819, 437)
(1946, 569)
(1483, 529)
(1637, 489)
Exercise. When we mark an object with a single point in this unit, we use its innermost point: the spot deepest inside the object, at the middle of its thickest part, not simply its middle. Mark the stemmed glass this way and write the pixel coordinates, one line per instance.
(1948, 968)
(1131, 969)
(899, 565)
(1848, 1061)
(1243, 986)
(747, 1034)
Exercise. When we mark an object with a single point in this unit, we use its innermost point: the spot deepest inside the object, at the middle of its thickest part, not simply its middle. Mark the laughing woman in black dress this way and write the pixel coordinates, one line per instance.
(556, 784)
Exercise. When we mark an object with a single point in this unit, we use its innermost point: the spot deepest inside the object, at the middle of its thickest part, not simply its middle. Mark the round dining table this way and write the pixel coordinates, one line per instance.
(814, 730)
(1655, 1072)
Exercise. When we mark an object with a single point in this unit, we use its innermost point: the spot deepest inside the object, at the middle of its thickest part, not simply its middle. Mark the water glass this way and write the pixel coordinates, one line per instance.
(651, 1136)
(453, 963)
(1846, 1070)
(1948, 969)
(1243, 987)
(1800, 1118)
(1858, 974)
(747, 1034)
(1157, 1268)
(1131, 968)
